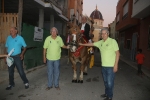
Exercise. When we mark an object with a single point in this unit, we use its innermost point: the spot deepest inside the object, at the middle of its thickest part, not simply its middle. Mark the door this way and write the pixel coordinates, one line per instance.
(134, 46)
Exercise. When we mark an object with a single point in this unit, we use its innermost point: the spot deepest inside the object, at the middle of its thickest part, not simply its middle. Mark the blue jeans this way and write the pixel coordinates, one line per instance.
(108, 77)
(53, 67)
(19, 65)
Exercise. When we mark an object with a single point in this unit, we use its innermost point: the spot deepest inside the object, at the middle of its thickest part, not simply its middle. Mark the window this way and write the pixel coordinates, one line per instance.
(128, 43)
(77, 15)
(80, 19)
(71, 12)
(118, 17)
(125, 8)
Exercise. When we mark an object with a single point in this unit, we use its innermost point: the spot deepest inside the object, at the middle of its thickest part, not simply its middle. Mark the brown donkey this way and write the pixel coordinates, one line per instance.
(78, 53)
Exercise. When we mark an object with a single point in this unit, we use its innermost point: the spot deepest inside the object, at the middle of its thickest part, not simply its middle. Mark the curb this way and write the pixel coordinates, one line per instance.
(146, 73)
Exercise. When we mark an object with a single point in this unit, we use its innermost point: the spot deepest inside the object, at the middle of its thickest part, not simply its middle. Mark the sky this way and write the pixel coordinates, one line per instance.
(106, 7)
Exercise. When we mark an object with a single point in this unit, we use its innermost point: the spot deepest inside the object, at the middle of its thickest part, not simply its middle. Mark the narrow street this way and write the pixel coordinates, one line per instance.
(128, 86)
(28, 26)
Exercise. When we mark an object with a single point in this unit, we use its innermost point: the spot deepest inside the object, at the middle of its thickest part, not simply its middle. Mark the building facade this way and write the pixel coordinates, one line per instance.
(75, 8)
(132, 23)
(112, 29)
(128, 29)
(43, 14)
(141, 10)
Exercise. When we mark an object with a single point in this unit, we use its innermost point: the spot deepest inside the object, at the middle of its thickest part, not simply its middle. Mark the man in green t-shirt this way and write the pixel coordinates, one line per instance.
(52, 53)
(109, 52)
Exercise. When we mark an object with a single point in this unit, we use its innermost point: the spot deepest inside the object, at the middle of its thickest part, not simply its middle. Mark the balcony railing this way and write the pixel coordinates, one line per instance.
(117, 23)
(135, 1)
(125, 16)
(59, 5)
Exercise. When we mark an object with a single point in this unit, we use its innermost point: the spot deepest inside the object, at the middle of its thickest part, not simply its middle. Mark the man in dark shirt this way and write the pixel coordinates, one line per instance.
(85, 28)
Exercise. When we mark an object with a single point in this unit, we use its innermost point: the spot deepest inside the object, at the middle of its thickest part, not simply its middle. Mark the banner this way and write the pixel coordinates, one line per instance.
(38, 34)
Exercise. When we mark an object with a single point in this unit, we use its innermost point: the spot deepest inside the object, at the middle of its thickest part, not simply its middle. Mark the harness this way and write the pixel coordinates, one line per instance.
(77, 53)
(73, 43)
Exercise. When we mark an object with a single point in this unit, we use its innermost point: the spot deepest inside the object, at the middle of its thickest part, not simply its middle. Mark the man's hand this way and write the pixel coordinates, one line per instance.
(21, 56)
(44, 60)
(44, 55)
(68, 46)
(80, 43)
(116, 62)
(115, 68)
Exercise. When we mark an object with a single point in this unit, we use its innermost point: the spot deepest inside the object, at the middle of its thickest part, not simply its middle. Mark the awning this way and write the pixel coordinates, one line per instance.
(62, 16)
(49, 5)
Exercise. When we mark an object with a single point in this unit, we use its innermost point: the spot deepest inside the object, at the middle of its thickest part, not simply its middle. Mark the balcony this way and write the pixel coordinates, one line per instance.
(141, 8)
(58, 4)
(125, 23)
(125, 16)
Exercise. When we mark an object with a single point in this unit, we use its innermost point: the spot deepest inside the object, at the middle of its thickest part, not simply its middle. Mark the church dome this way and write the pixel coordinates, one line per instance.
(96, 14)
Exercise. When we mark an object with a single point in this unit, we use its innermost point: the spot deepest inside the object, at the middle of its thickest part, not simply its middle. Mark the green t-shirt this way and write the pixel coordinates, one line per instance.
(53, 47)
(108, 51)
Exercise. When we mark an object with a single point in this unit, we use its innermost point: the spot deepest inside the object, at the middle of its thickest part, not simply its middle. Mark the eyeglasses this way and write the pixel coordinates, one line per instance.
(53, 31)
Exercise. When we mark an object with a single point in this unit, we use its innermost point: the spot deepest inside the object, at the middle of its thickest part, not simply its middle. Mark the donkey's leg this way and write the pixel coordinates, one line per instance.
(86, 64)
(74, 76)
(81, 77)
(85, 70)
(74, 80)
(82, 70)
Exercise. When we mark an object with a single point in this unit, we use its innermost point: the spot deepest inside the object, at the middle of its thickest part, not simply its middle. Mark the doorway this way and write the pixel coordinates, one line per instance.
(134, 46)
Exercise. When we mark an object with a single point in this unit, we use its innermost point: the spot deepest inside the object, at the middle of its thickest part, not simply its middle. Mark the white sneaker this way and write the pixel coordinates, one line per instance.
(26, 85)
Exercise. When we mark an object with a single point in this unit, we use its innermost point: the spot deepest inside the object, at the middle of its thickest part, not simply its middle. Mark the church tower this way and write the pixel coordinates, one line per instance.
(97, 17)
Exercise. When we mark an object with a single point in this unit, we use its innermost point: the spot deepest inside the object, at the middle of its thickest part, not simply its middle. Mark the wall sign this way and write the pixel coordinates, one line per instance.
(38, 34)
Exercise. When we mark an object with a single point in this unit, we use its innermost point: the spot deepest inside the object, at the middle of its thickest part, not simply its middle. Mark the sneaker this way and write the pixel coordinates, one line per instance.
(57, 88)
(26, 85)
(9, 87)
(103, 95)
(108, 98)
(48, 88)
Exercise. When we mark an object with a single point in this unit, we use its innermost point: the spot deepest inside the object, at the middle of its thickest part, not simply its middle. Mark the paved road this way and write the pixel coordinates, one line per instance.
(128, 86)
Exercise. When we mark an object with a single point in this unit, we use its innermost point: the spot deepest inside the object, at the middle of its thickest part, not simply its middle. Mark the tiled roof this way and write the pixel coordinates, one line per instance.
(96, 14)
